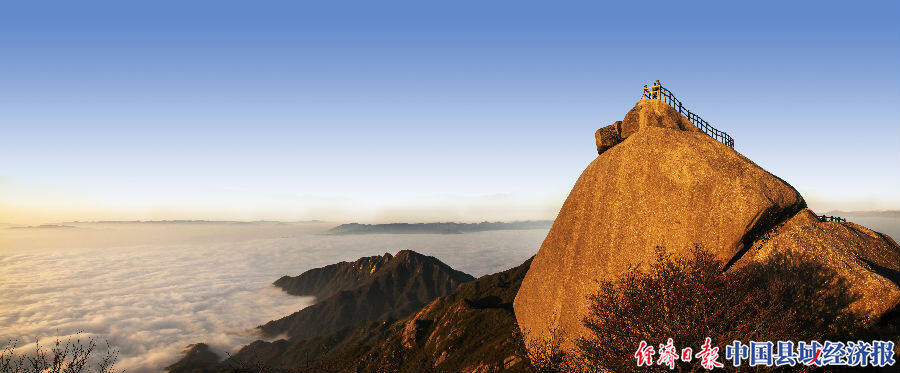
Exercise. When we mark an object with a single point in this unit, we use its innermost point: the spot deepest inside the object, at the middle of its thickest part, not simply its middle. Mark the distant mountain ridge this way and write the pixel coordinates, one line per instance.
(370, 288)
(192, 221)
(867, 213)
(44, 226)
(438, 228)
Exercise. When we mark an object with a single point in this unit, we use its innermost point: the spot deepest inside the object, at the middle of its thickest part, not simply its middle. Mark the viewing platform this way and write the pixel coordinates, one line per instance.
(658, 92)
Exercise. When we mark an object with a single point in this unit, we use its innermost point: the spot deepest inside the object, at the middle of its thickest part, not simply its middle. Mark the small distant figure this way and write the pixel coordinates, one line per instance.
(646, 91)
(655, 90)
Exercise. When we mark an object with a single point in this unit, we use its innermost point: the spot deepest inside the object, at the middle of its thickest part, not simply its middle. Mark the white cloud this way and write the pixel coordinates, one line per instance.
(153, 289)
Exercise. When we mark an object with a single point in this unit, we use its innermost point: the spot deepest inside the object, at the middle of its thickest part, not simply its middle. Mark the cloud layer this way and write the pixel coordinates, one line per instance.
(153, 289)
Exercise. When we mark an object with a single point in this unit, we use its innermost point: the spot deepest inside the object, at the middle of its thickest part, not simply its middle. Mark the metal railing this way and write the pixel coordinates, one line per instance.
(658, 92)
(838, 219)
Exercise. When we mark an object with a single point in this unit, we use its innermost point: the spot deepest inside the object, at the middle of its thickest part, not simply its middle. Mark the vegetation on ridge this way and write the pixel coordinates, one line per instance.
(71, 356)
(689, 299)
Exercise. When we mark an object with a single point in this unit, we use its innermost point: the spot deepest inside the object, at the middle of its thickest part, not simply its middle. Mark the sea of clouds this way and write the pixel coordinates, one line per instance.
(152, 289)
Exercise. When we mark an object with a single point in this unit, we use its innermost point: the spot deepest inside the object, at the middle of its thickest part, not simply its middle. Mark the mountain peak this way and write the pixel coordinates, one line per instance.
(645, 114)
(662, 181)
(407, 254)
(412, 257)
(370, 288)
(328, 280)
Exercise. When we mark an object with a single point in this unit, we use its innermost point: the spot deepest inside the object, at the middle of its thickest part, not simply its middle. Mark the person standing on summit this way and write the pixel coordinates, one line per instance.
(653, 91)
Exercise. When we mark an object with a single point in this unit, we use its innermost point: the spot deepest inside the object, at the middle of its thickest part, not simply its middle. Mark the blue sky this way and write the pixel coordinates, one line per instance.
(384, 111)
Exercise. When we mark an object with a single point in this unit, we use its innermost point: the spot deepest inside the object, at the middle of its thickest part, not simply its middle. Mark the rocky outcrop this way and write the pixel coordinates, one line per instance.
(647, 113)
(660, 182)
(388, 287)
(608, 136)
(654, 113)
(665, 184)
(868, 260)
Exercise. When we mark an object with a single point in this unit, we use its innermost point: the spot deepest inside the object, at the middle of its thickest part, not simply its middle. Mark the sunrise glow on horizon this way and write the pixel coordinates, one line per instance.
(397, 111)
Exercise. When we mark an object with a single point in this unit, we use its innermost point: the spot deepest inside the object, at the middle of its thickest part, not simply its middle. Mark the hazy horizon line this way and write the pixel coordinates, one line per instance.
(873, 212)
(271, 221)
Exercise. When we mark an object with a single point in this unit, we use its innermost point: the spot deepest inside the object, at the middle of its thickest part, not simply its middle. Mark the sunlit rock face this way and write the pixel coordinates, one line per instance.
(654, 113)
(659, 181)
(646, 113)
(868, 260)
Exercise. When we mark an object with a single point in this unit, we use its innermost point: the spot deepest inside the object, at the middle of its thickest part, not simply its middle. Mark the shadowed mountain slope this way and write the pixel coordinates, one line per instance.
(387, 287)
(472, 329)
